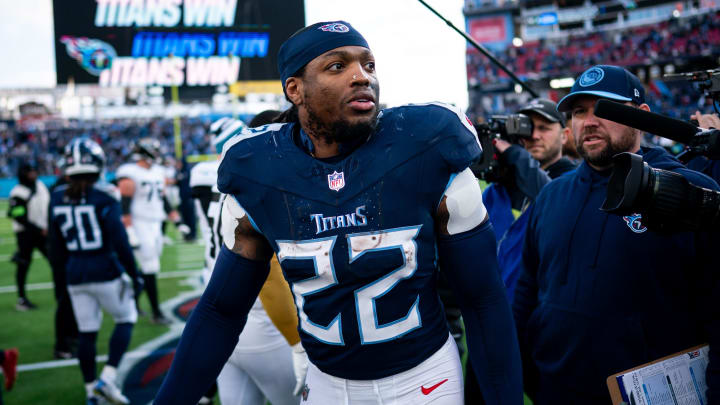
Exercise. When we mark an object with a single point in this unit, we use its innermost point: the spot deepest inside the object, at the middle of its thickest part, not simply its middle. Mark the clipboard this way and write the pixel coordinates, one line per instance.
(615, 386)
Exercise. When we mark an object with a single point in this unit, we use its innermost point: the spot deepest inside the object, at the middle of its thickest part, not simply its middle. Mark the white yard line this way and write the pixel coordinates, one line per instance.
(44, 365)
(49, 286)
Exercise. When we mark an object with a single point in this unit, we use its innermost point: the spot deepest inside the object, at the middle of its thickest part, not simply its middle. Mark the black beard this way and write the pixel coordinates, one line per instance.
(340, 131)
(604, 159)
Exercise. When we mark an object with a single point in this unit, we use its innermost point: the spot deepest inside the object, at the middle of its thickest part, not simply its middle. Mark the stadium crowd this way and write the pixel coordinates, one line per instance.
(646, 45)
(43, 142)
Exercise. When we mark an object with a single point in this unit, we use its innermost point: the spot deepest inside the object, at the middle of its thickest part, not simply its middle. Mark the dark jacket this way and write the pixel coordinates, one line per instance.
(509, 225)
(600, 293)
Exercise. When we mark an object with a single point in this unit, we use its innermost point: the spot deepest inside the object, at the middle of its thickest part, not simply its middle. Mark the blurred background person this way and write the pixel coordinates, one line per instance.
(268, 362)
(28, 208)
(88, 238)
(145, 207)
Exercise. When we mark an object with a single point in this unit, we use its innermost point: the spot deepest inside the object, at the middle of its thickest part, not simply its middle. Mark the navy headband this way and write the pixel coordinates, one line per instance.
(313, 41)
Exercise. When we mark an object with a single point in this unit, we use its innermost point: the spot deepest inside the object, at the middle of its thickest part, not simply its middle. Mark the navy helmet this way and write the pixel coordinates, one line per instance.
(83, 156)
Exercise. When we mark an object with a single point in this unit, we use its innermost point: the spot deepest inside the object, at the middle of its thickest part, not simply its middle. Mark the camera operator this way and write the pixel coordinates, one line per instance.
(528, 170)
(701, 163)
(600, 293)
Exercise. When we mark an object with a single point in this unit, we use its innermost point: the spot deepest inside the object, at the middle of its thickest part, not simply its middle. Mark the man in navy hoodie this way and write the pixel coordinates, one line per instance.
(601, 293)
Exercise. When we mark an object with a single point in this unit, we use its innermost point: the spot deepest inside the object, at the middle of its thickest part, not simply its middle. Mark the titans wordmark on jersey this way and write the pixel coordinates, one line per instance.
(360, 258)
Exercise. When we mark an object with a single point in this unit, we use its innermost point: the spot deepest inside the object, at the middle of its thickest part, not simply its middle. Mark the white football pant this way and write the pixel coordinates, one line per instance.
(88, 300)
(438, 380)
(149, 234)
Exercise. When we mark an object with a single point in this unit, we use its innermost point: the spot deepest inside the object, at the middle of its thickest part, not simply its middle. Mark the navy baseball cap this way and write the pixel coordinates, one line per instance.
(313, 41)
(611, 82)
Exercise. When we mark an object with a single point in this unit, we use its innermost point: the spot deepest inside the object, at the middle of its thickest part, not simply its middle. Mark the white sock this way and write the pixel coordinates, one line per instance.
(89, 388)
(109, 373)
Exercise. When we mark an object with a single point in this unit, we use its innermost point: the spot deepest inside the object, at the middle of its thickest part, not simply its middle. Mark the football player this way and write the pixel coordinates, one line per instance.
(28, 210)
(362, 208)
(88, 239)
(144, 208)
(262, 365)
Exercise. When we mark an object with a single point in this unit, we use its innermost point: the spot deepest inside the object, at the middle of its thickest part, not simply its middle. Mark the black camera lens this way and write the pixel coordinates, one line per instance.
(667, 200)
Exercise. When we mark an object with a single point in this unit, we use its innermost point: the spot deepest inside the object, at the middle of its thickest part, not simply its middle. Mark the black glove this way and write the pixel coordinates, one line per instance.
(138, 284)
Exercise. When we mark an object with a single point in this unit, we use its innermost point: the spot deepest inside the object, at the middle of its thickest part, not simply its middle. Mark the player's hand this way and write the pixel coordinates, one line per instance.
(126, 220)
(300, 365)
(182, 228)
(501, 145)
(132, 237)
(174, 216)
(137, 284)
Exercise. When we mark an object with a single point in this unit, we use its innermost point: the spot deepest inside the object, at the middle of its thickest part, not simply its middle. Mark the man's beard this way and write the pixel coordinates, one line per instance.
(603, 158)
(340, 131)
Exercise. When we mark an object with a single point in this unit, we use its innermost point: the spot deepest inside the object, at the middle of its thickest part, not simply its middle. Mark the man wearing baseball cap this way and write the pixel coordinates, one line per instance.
(360, 206)
(532, 164)
(601, 293)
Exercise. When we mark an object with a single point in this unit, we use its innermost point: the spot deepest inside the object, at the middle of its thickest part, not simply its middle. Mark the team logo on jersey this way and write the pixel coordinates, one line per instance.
(93, 55)
(336, 181)
(633, 222)
(334, 27)
(592, 76)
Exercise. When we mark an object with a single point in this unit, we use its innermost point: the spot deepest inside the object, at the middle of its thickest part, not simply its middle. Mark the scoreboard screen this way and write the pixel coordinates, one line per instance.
(129, 43)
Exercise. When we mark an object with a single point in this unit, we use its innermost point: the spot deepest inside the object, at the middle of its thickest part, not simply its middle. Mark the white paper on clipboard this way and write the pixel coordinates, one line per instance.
(678, 380)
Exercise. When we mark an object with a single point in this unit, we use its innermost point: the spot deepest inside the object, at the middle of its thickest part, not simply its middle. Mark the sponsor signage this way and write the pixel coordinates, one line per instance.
(493, 31)
(548, 18)
(119, 43)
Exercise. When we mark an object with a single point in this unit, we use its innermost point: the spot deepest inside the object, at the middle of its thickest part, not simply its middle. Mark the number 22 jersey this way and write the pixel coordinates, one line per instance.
(356, 237)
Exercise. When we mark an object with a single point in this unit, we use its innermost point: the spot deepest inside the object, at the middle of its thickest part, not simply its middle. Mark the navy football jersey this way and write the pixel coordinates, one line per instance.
(356, 238)
(88, 237)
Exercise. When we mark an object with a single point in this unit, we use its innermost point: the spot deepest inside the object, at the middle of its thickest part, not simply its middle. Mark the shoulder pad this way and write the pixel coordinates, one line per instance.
(441, 124)
(20, 191)
(204, 174)
(240, 149)
(126, 170)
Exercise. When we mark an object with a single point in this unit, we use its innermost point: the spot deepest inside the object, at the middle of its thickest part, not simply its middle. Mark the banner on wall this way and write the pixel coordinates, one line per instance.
(493, 31)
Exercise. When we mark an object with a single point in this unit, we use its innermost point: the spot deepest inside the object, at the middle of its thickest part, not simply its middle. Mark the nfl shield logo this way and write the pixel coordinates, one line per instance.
(336, 181)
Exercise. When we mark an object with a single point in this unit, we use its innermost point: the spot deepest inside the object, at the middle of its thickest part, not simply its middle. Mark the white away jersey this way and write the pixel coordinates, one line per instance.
(147, 202)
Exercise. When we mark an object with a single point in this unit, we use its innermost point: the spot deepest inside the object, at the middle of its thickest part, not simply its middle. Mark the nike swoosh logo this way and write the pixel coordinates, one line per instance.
(427, 391)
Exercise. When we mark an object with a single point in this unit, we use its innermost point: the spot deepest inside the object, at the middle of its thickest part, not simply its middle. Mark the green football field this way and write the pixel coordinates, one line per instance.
(32, 332)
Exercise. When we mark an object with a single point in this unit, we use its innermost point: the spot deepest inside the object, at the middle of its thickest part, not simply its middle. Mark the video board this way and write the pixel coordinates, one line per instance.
(126, 43)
